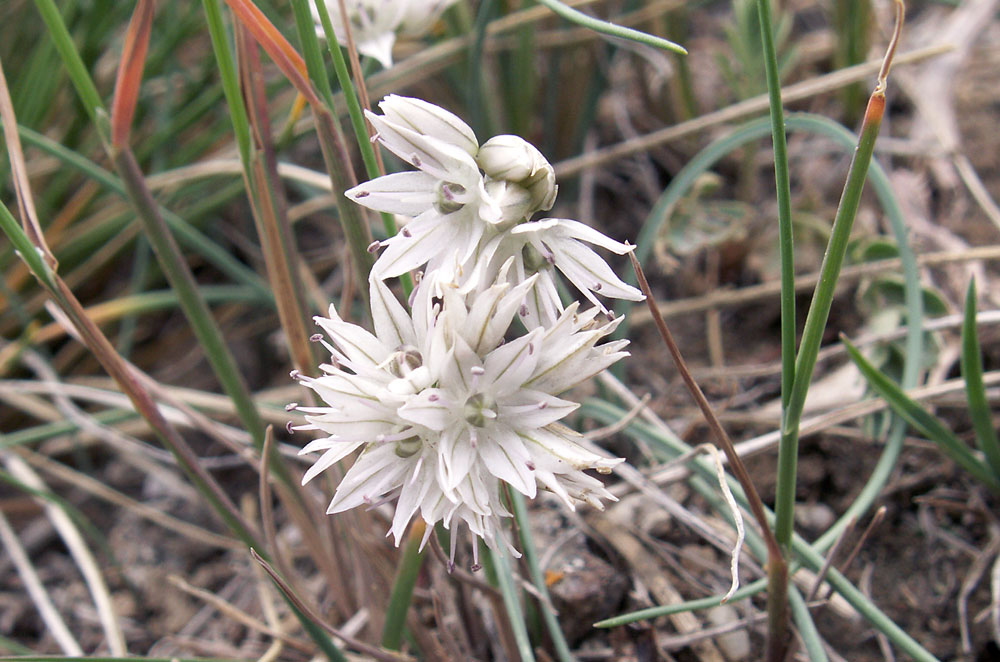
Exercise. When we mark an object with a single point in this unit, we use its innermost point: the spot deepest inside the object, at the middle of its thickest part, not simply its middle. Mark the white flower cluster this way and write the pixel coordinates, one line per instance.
(443, 404)
(375, 24)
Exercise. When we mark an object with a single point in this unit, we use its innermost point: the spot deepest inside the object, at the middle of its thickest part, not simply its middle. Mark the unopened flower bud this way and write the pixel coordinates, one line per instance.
(514, 159)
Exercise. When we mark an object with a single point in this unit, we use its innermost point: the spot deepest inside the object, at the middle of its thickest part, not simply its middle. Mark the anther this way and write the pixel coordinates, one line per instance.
(374, 246)
(295, 374)
(476, 567)
(530, 465)
(433, 397)
(597, 287)
(289, 428)
(447, 193)
(361, 194)
(316, 337)
(291, 405)
(524, 310)
(406, 232)
(543, 405)
(415, 160)
(478, 371)
(531, 348)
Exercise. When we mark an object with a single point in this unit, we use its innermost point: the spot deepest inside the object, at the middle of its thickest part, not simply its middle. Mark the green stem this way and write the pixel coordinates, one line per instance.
(402, 588)
(512, 603)
(777, 592)
(538, 577)
(819, 312)
(786, 244)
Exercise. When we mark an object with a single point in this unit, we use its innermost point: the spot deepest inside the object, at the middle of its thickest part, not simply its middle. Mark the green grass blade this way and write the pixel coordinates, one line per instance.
(972, 371)
(512, 603)
(187, 234)
(610, 29)
(918, 417)
(71, 58)
(530, 552)
(690, 605)
(786, 245)
(357, 118)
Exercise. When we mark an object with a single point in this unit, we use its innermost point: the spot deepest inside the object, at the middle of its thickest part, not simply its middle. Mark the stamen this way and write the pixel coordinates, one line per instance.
(361, 194)
(433, 397)
(406, 232)
(477, 370)
(446, 192)
(289, 428)
(473, 437)
(524, 310)
(531, 348)
(530, 465)
(597, 287)
(543, 405)
(295, 374)
(291, 405)
(374, 246)
(415, 160)
(316, 337)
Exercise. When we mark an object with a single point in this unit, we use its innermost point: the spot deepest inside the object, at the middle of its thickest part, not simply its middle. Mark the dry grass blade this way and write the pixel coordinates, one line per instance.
(130, 73)
(372, 651)
(269, 208)
(282, 52)
(19, 170)
(81, 554)
(33, 585)
(722, 438)
(155, 515)
(238, 614)
(115, 365)
(796, 92)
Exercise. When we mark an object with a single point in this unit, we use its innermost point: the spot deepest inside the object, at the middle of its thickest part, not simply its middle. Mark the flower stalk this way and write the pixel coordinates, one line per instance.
(812, 336)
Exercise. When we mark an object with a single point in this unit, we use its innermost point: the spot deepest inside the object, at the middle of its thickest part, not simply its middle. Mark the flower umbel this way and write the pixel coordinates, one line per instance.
(444, 411)
(471, 207)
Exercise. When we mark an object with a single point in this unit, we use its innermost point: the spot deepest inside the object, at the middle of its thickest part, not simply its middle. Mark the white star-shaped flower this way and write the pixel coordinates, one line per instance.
(376, 23)
(471, 206)
(444, 411)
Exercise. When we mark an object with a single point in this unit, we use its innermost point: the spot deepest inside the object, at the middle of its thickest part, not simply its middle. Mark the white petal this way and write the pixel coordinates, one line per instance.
(329, 458)
(585, 269)
(578, 230)
(457, 456)
(445, 161)
(393, 325)
(509, 366)
(379, 47)
(430, 120)
(378, 470)
(428, 408)
(408, 193)
(529, 409)
(358, 345)
(501, 458)
(404, 253)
